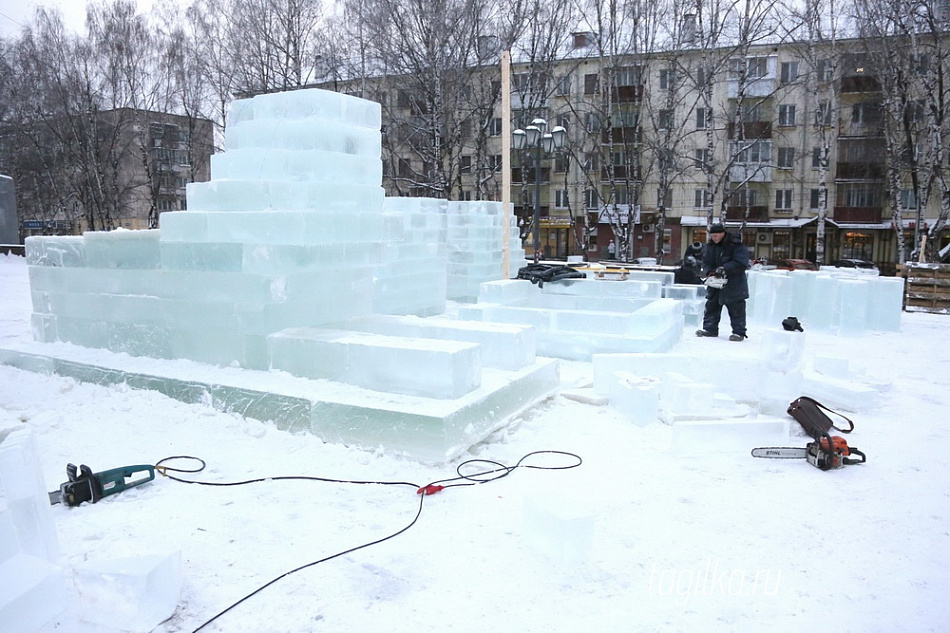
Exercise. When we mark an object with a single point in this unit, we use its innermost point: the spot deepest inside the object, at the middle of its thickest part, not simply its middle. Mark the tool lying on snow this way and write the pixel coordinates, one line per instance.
(817, 453)
(827, 451)
(84, 485)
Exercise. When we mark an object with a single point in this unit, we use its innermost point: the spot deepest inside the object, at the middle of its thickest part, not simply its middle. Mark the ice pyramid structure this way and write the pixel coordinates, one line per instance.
(290, 242)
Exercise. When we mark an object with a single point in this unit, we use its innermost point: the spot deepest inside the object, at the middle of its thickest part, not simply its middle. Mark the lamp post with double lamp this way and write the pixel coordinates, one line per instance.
(535, 138)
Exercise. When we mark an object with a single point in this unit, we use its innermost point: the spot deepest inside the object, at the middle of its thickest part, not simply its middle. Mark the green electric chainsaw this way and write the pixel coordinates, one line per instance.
(85, 485)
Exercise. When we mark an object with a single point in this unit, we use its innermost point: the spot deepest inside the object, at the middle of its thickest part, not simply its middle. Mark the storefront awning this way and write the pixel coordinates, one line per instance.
(775, 223)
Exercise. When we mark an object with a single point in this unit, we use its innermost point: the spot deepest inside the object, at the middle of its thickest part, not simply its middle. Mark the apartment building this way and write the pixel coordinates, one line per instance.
(659, 144)
(136, 167)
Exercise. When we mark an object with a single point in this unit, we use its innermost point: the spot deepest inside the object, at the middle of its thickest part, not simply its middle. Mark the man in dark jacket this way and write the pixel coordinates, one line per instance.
(725, 256)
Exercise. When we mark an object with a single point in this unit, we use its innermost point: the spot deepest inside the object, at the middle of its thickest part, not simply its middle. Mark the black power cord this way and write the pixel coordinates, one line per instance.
(474, 475)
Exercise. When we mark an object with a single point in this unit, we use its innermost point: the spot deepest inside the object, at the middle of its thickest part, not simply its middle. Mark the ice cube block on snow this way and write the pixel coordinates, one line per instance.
(130, 594)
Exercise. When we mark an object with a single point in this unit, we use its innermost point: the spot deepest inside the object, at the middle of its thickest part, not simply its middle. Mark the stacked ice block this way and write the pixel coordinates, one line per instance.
(411, 278)
(576, 318)
(291, 259)
(293, 231)
(473, 253)
(32, 585)
(827, 300)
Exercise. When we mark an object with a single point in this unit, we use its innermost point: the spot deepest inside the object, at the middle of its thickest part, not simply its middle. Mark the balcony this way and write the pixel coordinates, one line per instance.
(752, 130)
(860, 83)
(862, 215)
(859, 171)
(751, 172)
(756, 213)
(760, 87)
(518, 173)
(621, 135)
(627, 94)
(620, 172)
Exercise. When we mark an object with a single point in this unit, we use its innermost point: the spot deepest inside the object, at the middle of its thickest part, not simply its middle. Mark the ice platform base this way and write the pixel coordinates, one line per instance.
(428, 429)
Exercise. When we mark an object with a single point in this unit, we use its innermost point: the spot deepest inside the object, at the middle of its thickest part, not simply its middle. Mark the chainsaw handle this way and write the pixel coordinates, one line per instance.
(119, 479)
(853, 451)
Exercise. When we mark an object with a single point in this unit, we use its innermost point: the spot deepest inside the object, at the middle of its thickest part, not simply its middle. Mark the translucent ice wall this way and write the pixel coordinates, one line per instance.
(293, 230)
(828, 300)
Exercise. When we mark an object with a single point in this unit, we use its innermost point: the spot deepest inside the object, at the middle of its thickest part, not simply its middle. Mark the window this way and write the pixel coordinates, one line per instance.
(494, 162)
(789, 72)
(621, 196)
(465, 163)
(591, 161)
(703, 118)
(665, 119)
(591, 83)
(786, 115)
(755, 153)
(593, 122)
(591, 199)
(625, 117)
(494, 127)
(866, 113)
(563, 87)
(562, 161)
(859, 195)
(750, 68)
(702, 198)
(786, 158)
(702, 158)
(856, 245)
(627, 76)
(405, 168)
(825, 70)
(465, 195)
(815, 199)
(908, 199)
(757, 67)
(744, 197)
(783, 199)
(666, 79)
(560, 199)
(816, 158)
(751, 112)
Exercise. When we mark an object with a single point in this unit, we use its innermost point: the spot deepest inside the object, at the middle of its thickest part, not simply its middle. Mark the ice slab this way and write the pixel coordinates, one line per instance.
(130, 594)
(26, 521)
(32, 586)
(735, 436)
(636, 397)
(560, 526)
(781, 351)
(843, 393)
(395, 364)
(504, 346)
(32, 593)
(429, 429)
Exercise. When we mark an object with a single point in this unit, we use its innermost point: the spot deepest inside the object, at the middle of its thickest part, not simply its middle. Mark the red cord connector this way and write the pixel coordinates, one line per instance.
(431, 489)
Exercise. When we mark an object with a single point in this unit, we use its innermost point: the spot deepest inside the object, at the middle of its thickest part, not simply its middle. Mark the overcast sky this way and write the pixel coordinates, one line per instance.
(14, 14)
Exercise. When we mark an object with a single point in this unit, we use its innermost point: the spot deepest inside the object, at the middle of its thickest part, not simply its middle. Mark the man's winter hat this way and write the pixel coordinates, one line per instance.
(717, 228)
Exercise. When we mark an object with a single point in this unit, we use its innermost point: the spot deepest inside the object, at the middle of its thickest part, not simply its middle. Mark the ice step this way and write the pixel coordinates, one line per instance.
(395, 364)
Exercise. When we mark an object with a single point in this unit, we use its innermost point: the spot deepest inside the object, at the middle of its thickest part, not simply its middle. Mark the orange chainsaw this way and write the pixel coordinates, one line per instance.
(826, 453)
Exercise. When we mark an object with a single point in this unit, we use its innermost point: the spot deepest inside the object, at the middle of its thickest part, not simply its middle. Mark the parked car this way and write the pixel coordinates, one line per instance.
(858, 264)
(794, 264)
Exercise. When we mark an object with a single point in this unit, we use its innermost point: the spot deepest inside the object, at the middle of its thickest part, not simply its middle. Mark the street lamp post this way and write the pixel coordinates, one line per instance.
(535, 138)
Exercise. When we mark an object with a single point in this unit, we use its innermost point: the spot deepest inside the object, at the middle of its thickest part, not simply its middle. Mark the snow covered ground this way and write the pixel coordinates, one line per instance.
(649, 540)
